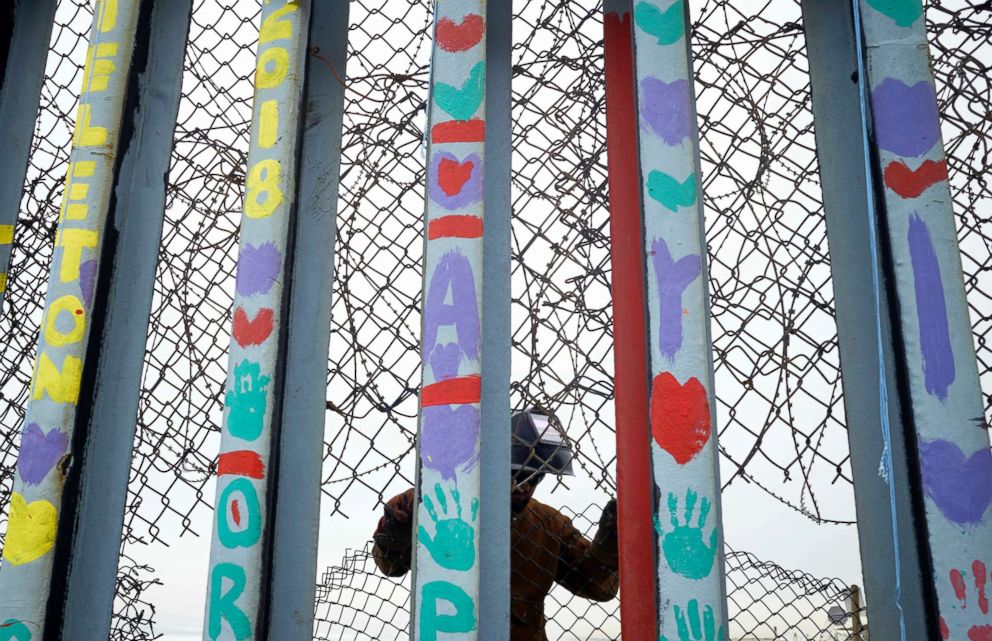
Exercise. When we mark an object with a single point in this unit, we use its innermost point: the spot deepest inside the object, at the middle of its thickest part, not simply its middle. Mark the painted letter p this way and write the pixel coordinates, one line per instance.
(431, 622)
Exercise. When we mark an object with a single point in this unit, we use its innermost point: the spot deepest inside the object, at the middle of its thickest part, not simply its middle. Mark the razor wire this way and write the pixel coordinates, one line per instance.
(780, 399)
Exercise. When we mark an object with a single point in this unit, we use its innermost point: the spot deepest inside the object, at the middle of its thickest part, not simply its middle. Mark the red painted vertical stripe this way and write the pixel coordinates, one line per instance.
(638, 593)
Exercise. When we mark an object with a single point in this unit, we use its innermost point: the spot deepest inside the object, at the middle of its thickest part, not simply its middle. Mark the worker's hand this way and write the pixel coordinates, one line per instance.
(608, 521)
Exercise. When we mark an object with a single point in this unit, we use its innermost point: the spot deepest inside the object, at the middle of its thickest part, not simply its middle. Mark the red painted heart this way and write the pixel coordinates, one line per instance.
(680, 416)
(252, 331)
(910, 183)
(461, 36)
(452, 175)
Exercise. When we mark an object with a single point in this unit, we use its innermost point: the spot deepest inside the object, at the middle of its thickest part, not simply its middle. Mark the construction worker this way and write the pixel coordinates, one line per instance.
(545, 547)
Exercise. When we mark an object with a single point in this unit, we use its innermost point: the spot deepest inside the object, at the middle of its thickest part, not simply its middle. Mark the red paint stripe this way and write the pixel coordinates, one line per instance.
(459, 131)
(635, 500)
(454, 391)
(241, 463)
(235, 512)
(455, 227)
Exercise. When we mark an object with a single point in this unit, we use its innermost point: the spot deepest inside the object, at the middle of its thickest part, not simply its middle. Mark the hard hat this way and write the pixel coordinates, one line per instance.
(537, 445)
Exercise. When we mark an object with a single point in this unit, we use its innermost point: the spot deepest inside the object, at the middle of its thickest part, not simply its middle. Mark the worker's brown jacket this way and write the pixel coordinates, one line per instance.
(545, 548)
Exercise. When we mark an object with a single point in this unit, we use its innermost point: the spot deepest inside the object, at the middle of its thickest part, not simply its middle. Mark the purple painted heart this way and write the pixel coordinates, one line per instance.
(907, 122)
(667, 109)
(960, 485)
(444, 360)
(40, 452)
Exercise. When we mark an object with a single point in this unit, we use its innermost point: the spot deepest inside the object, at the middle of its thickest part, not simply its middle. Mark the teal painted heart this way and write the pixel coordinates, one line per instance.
(903, 12)
(670, 192)
(461, 103)
(667, 26)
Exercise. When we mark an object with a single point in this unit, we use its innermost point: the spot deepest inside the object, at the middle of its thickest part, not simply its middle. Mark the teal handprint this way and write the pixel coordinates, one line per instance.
(705, 632)
(684, 548)
(667, 26)
(247, 401)
(453, 545)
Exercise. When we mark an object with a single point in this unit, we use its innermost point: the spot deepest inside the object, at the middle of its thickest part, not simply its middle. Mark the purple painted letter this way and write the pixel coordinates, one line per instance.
(931, 310)
(452, 277)
(673, 279)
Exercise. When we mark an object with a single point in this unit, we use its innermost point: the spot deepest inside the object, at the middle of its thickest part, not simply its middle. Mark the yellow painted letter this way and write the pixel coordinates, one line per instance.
(62, 385)
(107, 10)
(74, 307)
(270, 75)
(264, 194)
(73, 241)
(99, 67)
(268, 124)
(84, 135)
(275, 27)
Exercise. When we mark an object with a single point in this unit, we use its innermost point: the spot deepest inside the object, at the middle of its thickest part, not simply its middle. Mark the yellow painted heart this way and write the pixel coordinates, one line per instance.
(30, 531)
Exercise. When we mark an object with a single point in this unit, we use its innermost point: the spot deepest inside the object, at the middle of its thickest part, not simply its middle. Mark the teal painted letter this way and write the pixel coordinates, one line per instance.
(248, 509)
(222, 603)
(431, 622)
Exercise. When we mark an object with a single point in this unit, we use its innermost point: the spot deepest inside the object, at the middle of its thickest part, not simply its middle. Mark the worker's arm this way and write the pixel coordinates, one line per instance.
(590, 568)
(393, 536)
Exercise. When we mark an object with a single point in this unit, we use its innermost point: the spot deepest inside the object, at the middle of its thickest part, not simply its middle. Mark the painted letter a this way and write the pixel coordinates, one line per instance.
(432, 622)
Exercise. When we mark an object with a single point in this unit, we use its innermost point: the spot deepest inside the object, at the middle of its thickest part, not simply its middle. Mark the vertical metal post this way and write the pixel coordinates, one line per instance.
(936, 363)
(67, 357)
(919, 447)
(855, 607)
(494, 515)
(464, 258)
(635, 488)
(884, 502)
(682, 410)
(20, 91)
(295, 533)
(137, 215)
(238, 577)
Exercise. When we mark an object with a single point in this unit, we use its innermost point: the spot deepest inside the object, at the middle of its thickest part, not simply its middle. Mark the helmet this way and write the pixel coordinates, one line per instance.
(537, 445)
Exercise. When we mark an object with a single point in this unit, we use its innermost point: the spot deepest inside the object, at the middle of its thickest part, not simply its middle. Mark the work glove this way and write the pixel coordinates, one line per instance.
(608, 520)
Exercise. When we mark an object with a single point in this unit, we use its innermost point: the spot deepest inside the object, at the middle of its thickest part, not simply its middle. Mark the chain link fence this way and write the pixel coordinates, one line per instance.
(780, 407)
(355, 602)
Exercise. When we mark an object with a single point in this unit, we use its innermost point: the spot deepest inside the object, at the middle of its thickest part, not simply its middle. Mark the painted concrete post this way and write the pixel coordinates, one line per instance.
(893, 552)
(21, 90)
(50, 420)
(237, 576)
(684, 453)
(938, 370)
(446, 562)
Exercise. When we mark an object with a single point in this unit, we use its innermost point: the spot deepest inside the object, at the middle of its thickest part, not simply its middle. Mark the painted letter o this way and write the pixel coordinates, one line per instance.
(250, 510)
(74, 307)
